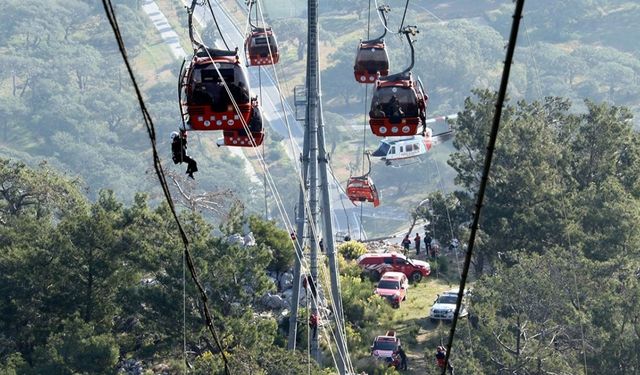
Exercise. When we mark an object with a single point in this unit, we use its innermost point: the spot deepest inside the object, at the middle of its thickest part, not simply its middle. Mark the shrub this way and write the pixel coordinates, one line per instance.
(352, 249)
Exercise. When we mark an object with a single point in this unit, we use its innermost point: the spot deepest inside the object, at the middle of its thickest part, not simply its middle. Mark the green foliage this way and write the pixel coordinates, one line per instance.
(77, 349)
(13, 364)
(348, 267)
(559, 218)
(361, 307)
(276, 240)
(352, 249)
(81, 289)
(374, 367)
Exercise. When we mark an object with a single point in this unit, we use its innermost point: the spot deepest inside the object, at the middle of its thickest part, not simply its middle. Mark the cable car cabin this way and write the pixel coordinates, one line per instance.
(261, 47)
(206, 104)
(403, 148)
(361, 189)
(240, 138)
(398, 106)
(372, 61)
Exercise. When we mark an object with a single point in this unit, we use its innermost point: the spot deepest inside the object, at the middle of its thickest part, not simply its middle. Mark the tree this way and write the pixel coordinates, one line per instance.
(77, 349)
(41, 193)
(278, 241)
(528, 319)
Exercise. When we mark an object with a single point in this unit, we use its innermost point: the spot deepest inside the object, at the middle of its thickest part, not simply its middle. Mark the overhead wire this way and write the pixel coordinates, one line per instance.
(338, 313)
(313, 226)
(404, 14)
(280, 205)
(513, 37)
(364, 118)
(338, 185)
(455, 248)
(213, 15)
(382, 20)
(111, 16)
(274, 189)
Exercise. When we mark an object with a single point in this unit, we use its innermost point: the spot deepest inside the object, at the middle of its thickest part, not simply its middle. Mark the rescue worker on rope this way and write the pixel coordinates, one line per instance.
(179, 152)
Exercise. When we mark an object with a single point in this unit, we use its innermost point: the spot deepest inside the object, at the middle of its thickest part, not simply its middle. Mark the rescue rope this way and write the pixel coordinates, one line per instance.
(110, 13)
(270, 179)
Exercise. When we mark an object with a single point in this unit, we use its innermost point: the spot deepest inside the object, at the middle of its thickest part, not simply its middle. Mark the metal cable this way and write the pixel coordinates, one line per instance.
(110, 13)
(513, 38)
(217, 26)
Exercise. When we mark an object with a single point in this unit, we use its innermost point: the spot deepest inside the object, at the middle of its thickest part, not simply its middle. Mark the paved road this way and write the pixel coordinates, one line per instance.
(169, 36)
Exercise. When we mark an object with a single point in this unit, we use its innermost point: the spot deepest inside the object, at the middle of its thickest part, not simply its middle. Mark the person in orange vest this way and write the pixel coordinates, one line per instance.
(416, 239)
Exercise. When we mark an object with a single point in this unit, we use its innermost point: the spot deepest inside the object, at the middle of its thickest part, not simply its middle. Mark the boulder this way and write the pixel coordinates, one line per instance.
(287, 294)
(273, 301)
(249, 240)
(286, 281)
(235, 239)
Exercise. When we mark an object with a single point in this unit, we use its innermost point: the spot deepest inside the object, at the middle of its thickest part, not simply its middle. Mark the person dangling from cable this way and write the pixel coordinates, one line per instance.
(179, 152)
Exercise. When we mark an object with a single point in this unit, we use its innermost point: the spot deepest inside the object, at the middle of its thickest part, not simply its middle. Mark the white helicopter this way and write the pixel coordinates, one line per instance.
(393, 149)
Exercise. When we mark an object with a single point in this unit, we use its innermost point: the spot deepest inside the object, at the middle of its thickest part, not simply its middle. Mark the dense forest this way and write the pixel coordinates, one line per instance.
(92, 277)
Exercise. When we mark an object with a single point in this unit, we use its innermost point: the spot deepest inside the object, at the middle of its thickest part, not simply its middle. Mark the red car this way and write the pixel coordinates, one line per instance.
(377, 264)
(393, 286)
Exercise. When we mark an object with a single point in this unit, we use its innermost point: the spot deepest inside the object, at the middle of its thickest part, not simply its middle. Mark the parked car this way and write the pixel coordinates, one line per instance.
(385, 348)
(393, 286)
(377, 264)
(445, 305)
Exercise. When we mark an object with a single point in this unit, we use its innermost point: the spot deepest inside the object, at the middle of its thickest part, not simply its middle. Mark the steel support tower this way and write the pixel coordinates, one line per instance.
(315, 161)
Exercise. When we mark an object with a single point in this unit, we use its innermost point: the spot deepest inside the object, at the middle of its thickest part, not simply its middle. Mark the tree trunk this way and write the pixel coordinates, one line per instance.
(478, 265)
(89, 298)
(24, 88)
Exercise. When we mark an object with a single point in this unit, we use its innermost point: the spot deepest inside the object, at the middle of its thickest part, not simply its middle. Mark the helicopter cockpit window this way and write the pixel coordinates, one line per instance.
(382, 150)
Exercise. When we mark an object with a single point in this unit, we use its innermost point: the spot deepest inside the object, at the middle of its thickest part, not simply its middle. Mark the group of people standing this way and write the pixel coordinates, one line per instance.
(417, 240)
